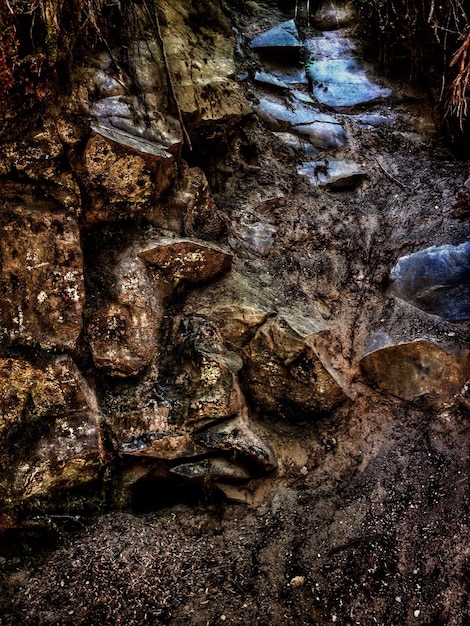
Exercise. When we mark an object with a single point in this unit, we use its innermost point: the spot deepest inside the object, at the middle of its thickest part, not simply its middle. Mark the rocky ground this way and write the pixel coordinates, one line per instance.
(288, 330)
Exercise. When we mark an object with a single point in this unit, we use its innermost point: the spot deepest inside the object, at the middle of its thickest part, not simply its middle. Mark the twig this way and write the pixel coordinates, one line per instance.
(392, 178)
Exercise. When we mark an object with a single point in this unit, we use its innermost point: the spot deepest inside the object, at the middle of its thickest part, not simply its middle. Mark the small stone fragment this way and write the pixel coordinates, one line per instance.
(335, 173)
(297, 581)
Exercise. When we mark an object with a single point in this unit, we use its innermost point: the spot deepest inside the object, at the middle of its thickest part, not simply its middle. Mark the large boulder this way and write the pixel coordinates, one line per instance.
(123, 181)
(436, 280)
(283, 373)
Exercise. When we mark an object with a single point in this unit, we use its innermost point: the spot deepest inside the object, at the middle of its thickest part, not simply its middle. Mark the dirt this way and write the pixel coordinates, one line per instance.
(366, 519)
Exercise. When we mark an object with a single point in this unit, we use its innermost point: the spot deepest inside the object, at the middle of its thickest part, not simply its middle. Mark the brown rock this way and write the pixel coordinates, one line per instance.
(416, 370)
(237, 323)
(122, 182)
(235, 436)
(181, 260)
(41, 279)
(123, 332)
(123, 338)
(284, 375)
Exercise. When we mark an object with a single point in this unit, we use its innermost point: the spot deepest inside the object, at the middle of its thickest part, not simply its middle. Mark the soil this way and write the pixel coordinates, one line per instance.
(366, 520)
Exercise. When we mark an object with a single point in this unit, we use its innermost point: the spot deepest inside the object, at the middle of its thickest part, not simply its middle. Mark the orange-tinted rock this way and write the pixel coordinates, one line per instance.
(41, 275)
(189, 261)
(122, 338)
(416, 369)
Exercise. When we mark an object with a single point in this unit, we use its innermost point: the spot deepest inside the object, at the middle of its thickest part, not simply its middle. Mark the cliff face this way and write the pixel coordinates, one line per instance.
(232, 270)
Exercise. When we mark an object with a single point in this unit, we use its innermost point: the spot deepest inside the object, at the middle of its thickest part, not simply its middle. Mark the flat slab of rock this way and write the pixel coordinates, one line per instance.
(436, 280)
(187, 260)
(335, 173)
(283, 35)
(416, 369)
(343, 83)
(216, 468)
(338, 78)
(322, 130)
(41, 275)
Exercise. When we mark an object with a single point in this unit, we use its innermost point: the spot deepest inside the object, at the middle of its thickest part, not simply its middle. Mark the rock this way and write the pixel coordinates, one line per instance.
(282, 36)
(416, 369)
(236, 437)
(436, 280)
(218, 468)
(283, 374)
(202, 218)
(123, 182)
(49, 433)
(122, 333)
(257, 237)
(39, 158)
(322, 130)
(186, 261)
(335, 173)
(338, 78)
(207, 386)
(297, 143)
(237, 323)
(41, 275)
(201, 62)
(266, 78)
(123, 338)
(122, 119)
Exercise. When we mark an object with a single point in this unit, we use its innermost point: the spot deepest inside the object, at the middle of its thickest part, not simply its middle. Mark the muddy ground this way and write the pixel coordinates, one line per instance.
(366, 520)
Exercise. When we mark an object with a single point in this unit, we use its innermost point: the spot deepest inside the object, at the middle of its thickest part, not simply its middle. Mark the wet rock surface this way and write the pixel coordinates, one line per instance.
(228, 224)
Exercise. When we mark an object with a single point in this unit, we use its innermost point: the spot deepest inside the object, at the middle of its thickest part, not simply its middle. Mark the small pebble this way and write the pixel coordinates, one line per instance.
(297, 581)
(416, 613)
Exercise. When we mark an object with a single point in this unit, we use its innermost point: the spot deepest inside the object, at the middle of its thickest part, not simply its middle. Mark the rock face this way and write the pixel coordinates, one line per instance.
(204, 296)
(41, 274)
(49, 433)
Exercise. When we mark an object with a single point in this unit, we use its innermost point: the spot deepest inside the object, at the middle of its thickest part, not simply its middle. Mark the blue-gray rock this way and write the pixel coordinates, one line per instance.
(343, 83)
(284, 35)
(267, 78)
(322, 130)
(436, 280)
(336, 173)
